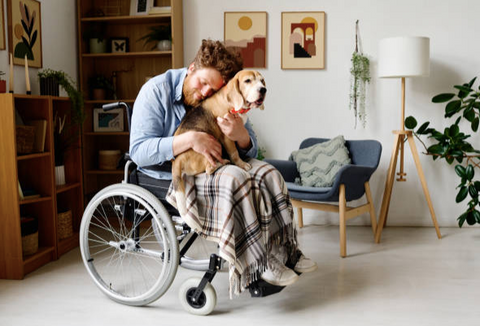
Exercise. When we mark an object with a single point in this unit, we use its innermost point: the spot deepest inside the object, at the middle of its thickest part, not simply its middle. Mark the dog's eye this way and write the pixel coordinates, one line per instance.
(247, 81)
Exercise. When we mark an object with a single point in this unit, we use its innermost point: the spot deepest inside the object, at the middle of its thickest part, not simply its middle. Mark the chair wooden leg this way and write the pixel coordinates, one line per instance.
(342, 203)
(373, 218)
(300, 217)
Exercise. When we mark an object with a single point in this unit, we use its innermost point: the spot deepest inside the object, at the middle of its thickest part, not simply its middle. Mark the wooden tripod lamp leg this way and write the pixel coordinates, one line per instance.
(423, 181)
(388, 187)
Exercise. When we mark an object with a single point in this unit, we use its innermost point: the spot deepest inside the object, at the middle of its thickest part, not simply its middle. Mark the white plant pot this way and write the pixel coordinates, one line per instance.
(60, 175)
(164, 45)
(97, 46)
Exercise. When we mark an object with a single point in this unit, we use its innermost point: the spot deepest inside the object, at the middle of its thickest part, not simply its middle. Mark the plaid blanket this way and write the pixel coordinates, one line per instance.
(246, 213)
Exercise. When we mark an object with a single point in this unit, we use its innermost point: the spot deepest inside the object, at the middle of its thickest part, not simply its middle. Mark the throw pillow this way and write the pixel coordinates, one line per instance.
(319, 164)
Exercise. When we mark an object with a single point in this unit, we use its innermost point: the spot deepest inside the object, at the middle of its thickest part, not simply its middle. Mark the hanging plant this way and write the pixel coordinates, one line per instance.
(360, 76)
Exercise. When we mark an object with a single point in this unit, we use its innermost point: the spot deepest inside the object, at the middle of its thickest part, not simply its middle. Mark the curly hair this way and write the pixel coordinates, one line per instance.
(213, 54)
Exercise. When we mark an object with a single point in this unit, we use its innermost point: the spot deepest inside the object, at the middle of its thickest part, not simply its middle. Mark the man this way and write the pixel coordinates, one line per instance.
(247, 213)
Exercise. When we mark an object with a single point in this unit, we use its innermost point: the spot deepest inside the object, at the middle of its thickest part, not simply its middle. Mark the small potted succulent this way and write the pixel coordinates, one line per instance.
(95, 36)
(3, 83)
(99, 85)
(161, 35)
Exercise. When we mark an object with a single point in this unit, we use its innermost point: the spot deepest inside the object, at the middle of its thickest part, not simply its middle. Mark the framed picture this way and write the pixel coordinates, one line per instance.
(303, 40)
(2, 27)
(119, 44)
(109, 121)
(24, 32)
(246, 32)
(140, 7)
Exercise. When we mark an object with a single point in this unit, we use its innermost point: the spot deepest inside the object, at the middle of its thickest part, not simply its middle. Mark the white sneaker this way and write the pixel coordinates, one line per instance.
(278, 274)
(305, 265)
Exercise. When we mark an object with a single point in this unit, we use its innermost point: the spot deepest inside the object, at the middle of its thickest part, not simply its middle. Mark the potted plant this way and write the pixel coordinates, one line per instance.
(161, 35)
(3, 83)
(99, 85)
(95, 36)
(62, 79)
(451, 144)
(64, 135)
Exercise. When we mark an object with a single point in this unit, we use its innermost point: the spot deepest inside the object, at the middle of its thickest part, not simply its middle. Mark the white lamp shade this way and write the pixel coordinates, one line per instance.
(404, 57)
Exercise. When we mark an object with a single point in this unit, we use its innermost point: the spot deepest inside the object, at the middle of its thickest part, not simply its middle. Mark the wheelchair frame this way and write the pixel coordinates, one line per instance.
(134, 261)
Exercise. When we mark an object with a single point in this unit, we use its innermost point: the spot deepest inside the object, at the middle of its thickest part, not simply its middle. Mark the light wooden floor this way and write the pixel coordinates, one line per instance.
(411, 278)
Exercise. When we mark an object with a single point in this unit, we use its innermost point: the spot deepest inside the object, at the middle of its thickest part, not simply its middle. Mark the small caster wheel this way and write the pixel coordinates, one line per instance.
(206, 302)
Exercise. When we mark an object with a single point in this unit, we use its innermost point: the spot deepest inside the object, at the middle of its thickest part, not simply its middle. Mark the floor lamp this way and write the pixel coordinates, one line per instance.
(402, 57)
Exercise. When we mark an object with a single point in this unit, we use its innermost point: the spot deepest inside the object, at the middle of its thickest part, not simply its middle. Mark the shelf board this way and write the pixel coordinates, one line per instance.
(67, 244)
(43, 256)
(104, 171)
(127, 54)
(107, 101)
(32, 156)
(67, 187)
(35, 200)
(120, 133)
(127, 19)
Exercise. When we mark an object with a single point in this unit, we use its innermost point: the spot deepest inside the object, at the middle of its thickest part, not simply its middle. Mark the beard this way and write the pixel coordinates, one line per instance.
(189, 98)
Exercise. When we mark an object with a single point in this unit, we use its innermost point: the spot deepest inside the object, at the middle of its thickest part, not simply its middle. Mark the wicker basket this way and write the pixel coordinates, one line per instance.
(25, 139)
(30, 244)
(65, 228)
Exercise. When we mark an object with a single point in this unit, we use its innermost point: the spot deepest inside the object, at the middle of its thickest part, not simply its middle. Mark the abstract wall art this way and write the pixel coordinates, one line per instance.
(24, 30)
(303, 40)
(246, 32)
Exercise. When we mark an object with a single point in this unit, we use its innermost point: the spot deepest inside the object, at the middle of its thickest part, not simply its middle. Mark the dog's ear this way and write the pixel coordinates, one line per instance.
(234, 95)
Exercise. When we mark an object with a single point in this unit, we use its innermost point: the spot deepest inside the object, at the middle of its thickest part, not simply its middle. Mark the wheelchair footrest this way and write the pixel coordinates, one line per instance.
(260, 288)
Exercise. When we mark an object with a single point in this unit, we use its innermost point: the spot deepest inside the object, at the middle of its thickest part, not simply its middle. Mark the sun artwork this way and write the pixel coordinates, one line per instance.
(245, 23)
(309, 31)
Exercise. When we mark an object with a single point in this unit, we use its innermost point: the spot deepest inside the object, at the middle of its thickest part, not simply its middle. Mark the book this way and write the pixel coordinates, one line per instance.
(159, 10)
(40, 134)
(20, 192)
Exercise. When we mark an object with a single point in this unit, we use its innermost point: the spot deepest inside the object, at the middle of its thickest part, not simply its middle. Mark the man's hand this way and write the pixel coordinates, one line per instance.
(232, 126)
(200, 142)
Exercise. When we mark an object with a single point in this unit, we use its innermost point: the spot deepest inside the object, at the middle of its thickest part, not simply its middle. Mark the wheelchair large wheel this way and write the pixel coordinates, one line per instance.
(129, 244)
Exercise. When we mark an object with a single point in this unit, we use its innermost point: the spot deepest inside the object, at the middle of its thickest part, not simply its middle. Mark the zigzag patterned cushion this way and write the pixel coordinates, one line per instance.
(318, 164)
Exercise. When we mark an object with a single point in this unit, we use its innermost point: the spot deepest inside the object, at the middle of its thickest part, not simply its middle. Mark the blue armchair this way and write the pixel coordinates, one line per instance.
(351, 183)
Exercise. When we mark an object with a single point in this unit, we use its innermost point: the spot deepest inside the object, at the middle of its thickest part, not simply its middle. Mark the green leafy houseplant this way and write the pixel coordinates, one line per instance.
(452, 146)
(99, 85)
(360, 77)
(156, 34)
(62, 143)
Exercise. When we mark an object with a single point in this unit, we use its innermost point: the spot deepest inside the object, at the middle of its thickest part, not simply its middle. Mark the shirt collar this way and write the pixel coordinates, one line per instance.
(179, 88)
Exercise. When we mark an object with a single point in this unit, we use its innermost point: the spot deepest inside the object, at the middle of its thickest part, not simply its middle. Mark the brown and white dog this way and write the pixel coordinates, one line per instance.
(243, 92)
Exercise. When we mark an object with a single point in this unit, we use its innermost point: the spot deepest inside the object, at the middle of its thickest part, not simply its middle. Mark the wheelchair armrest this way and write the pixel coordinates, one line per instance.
(288, 169)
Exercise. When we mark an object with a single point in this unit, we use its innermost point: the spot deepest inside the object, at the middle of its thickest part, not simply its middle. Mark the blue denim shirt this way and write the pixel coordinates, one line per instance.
(157, 113)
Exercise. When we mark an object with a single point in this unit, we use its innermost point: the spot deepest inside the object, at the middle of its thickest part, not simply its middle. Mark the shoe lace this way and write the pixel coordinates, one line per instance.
(275, 265)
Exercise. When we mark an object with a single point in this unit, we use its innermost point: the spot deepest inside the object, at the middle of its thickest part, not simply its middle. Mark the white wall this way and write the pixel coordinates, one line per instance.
(59, 44)
(308, 103)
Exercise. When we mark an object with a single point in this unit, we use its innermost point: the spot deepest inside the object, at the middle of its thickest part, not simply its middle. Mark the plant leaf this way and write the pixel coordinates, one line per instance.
(462, 194)
(461, 219)
(477, 185)
(470, 84)
(410, 122)
(423, 128)
(476, 214)
(470, 218)
(472, 190)
(452, 108)
(469, 172)
(475, 123)
(441, 98)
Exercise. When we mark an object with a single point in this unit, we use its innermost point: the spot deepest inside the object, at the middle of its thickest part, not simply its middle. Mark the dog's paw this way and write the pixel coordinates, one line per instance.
(212, 168)
(246, 166)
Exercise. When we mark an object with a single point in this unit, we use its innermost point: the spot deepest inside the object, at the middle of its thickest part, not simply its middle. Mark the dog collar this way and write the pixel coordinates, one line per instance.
(241, 111)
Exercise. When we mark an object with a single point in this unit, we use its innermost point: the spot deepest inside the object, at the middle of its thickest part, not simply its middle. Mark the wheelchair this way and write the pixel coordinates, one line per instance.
(132, 242)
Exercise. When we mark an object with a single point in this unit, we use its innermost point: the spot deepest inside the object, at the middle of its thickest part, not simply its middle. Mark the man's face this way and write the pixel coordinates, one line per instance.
(200, 84)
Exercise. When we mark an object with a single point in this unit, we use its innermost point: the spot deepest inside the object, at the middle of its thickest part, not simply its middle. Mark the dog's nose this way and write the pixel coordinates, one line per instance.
(263, 90)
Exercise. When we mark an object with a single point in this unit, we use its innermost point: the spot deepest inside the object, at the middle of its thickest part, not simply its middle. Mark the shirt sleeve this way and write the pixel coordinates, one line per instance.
(253, 151)
(150, 143)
